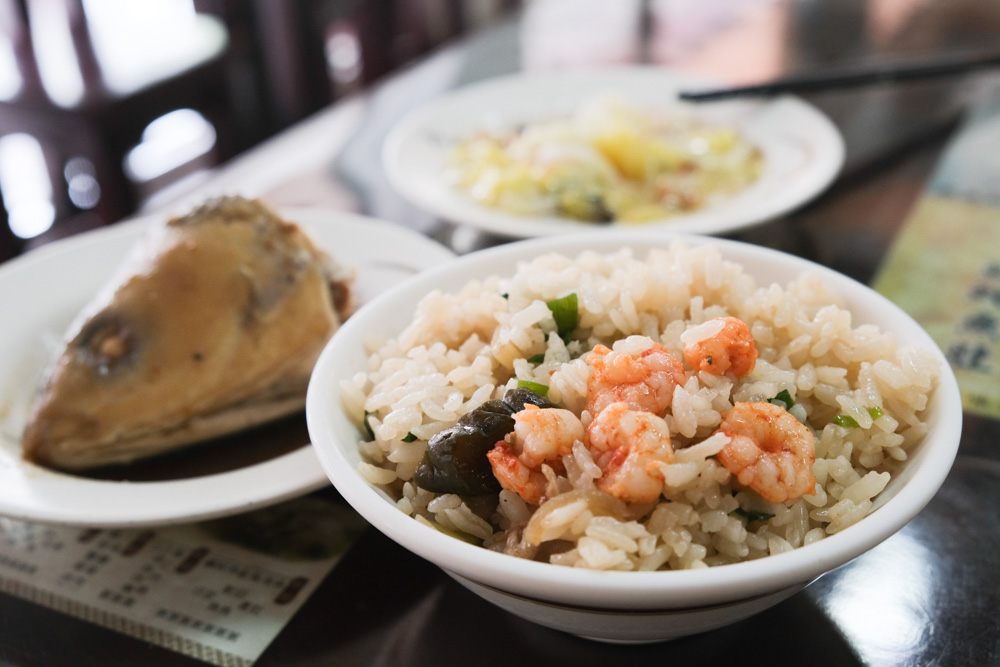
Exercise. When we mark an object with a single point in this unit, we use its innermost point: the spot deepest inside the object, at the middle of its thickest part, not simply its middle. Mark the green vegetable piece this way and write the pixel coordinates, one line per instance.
(537, 359)
(846, 421)
(850, 422)
(783, 397)
(565, 311)
(409, 437)
(539, 389)
(368, 427)
(751, 515)
(581, 205)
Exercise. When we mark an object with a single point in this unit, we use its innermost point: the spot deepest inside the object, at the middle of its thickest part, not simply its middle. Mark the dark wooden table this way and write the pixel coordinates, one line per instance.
(928, 595)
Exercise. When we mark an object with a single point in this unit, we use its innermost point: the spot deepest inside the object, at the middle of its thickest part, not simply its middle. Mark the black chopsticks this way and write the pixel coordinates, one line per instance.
(846, 78)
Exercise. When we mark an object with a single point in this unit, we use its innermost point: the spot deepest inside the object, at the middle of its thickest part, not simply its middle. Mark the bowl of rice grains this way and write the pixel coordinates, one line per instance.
(634, 436)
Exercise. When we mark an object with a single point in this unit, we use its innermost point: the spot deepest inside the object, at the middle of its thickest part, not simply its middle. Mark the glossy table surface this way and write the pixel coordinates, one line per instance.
(928, 595)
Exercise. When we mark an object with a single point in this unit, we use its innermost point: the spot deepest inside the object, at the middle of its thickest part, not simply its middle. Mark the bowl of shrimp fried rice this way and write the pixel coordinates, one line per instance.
(633, 436)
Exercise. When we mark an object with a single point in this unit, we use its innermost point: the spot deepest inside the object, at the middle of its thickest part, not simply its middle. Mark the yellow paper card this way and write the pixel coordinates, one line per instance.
(944, 268)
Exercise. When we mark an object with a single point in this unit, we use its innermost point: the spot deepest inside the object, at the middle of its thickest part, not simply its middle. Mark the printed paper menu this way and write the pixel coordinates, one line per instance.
(219, 591)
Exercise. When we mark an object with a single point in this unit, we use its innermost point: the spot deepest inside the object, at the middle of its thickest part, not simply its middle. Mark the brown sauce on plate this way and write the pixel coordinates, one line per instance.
(211, 457)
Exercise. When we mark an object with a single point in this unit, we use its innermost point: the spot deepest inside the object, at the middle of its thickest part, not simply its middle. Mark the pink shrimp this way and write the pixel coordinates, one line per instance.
(629, 446)
(540, 436)
(720, 345)
(527, 482)
(646, 382)
(770, 450)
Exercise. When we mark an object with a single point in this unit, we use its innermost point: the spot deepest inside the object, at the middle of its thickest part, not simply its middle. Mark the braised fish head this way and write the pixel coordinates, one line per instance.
(212, 325)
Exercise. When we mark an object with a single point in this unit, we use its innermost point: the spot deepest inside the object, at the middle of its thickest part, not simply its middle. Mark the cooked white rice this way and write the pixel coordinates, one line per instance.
(468, 347)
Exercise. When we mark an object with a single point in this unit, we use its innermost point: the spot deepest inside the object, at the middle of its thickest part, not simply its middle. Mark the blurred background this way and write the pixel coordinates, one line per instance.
(107, 106)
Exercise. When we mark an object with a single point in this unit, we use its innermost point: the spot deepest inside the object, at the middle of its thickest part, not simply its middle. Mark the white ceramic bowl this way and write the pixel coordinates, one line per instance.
(623, 606)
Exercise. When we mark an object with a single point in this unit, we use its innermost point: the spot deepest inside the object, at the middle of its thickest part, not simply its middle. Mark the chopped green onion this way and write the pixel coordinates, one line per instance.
(537, 359)
(505, 295)
(539, 389)
(850, 422)
(409, 437)
(751, 515)
(783, 397)
(368, 427)
(845, 420)
(565, 311)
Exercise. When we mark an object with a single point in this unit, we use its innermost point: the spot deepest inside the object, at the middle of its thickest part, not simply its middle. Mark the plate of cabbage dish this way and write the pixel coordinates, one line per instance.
(548, 153)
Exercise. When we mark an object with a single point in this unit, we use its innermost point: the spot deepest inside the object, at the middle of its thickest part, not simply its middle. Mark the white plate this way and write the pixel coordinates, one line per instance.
(41, 291)
(803, 149)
